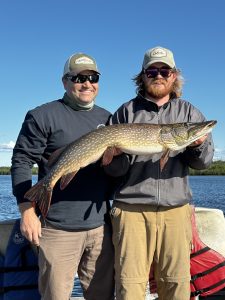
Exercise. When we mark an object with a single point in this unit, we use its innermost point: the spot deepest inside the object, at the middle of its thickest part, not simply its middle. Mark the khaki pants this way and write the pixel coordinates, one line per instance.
(142, 235)
(89, 253)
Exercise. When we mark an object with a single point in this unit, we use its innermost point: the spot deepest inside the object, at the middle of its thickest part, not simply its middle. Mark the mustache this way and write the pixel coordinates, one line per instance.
(159, 81)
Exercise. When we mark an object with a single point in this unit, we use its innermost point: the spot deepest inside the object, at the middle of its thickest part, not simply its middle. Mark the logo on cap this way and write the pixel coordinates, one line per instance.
(158, 52)
(84, 60)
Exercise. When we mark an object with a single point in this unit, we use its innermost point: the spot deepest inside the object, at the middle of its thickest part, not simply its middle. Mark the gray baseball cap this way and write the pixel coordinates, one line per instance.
(79, 62)
(158, 54)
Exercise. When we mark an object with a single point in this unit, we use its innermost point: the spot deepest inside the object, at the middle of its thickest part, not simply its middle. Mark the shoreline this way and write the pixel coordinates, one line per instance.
(217, 168)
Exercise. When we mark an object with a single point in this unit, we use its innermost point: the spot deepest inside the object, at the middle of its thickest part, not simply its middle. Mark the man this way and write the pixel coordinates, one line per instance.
(73, 237)
(151, 213)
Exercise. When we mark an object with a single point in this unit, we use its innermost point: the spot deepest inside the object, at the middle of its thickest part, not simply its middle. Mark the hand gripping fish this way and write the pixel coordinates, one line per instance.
(138, 139)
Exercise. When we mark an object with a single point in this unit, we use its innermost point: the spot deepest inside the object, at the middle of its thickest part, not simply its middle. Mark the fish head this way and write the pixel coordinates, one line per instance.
(181, 135)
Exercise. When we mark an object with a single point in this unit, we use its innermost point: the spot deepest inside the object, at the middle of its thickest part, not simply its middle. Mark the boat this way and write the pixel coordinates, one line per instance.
(208, 227)
(19, 263)
(211, 230)
(207, 257)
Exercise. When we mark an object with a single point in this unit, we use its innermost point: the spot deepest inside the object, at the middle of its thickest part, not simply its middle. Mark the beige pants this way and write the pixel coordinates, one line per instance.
(63, 253)
(142, 235)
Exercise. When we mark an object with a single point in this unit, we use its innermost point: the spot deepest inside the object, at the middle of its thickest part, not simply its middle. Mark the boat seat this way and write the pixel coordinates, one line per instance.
(5, 231)
(211, 227)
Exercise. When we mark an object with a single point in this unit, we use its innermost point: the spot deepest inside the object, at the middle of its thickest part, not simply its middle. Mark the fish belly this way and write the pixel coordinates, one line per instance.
(143, 150)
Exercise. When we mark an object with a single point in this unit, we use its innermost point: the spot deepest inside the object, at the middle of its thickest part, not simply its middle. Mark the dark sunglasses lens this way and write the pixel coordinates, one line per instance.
(80, 78)
(152, 73)
(94, 78)
(164, 72)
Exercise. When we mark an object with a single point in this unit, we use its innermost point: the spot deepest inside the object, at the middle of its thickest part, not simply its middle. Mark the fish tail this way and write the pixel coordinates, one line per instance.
(41, 194)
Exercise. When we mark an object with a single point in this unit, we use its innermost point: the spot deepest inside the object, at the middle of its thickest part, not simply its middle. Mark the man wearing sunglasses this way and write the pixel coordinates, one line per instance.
(151, 215)
(75, 236)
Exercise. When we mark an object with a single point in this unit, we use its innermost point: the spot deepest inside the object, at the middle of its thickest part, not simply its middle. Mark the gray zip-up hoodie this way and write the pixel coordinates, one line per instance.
(144, 182)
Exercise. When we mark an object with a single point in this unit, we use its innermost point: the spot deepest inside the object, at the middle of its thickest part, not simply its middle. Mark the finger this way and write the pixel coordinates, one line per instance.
(28, 236)
(35, 239)
(39, 231)
(201, 140)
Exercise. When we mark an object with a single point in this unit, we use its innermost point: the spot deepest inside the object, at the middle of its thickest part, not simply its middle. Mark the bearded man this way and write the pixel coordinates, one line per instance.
(151, 214)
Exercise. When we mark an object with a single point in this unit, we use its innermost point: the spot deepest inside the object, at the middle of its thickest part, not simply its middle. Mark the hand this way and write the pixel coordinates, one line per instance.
(108, 155)
(30, 224)
(199, 141)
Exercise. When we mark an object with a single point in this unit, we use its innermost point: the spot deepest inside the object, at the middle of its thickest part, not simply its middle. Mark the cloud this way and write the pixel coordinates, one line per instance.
(219, 154)
(7, 147)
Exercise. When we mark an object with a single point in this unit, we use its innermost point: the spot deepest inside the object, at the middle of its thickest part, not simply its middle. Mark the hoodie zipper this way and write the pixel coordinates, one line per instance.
(159, 170)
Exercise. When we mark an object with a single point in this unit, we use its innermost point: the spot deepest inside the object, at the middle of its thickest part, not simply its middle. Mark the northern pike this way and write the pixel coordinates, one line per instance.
(137, 139)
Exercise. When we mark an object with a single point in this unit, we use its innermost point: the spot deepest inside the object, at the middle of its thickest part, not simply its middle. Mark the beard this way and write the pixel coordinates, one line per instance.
(156, 92)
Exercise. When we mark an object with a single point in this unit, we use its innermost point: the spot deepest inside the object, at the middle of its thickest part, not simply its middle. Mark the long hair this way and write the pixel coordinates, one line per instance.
(177, 85)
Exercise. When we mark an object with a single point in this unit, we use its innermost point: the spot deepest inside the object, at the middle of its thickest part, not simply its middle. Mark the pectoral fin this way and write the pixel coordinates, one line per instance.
(65, 180)
(164, 159)
(108, 156)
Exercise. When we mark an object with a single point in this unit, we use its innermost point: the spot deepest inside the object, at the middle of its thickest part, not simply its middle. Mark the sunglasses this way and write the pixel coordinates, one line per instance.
(154, 72)
(79, 78)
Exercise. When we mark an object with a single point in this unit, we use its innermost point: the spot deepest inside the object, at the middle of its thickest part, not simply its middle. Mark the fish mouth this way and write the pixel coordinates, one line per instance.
(211, 123)
(198, 130)
(192, 132)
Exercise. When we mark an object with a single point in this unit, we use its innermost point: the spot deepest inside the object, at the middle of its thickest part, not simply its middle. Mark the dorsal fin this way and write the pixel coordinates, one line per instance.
(65, 180)
(54, 156)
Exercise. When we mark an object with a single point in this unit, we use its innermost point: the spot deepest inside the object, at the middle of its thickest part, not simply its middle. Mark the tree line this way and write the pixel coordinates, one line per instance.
(216, 168)
(6, 170)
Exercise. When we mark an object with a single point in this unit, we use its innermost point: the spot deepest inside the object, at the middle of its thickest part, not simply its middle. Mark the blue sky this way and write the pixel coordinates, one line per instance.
(37, 37)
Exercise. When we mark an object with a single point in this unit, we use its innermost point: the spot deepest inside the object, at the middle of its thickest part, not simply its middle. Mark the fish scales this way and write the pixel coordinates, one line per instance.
(132, 138)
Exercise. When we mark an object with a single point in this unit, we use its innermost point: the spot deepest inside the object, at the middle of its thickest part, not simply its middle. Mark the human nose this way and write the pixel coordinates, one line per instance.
(158, 74)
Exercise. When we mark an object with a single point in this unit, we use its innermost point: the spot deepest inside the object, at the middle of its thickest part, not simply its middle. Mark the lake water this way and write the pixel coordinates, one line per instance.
(208, 191)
